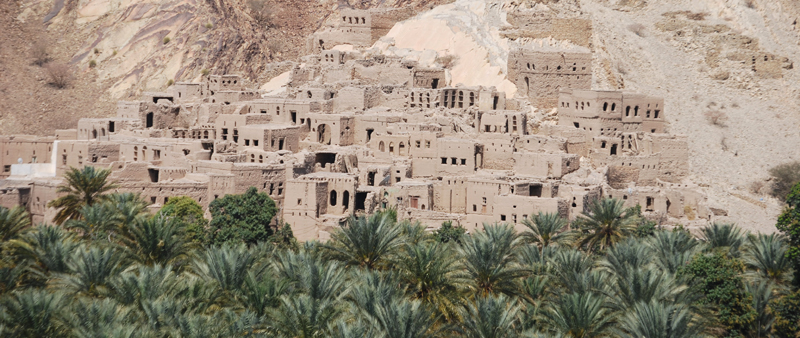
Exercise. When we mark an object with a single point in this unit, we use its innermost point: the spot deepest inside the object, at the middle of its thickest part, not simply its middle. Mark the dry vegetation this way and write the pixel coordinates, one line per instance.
(261, 12)
(59, 74)
(784, 176)
(716, 117)
(637, 29)
(447, 61)
(39, 53)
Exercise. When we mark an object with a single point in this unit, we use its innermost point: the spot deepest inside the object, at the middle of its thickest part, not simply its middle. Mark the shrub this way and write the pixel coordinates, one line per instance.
(275, 46)
(167, 40)
(92, 64)
(39, 53)
(784, 177)
(205, 72)
(114, 53)
(260, 12)
(719, 277)
(170, 82)
(448, 232)
(242, 218)
(637, 29)
(59, 74)
(716, 117)
(96, 51)
(787, 315)
(447, 61)
(209, 26)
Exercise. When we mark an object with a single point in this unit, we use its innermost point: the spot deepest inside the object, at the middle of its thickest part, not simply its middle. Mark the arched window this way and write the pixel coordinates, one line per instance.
(391, 147)
(333, 198)
(605, 106)
(381, 146)
(94, 133)
(346, 200)
(613, 107)
(205, 134)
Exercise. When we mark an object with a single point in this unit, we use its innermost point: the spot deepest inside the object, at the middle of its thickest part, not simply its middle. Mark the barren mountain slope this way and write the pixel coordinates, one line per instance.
(725, 68)
(140, 45)
(702, 64)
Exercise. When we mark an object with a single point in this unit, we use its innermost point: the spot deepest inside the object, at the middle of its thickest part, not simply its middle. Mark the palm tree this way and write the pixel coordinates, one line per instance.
(96, 221)
(303, 316)
(644, 285)
(91, 268)
(606, 223)
(656, 319)
(490, 262)
(96, 318)
(766, 255)
(83, 187)
(407, 319)
(723, 235)
(573, 271)
(763, 293)
(366, 241)
(547, 229)
(579, 315)
(492, 317)
(374, 289)
(672, 249)
(48, 247)
(33, 313)
(261, 293)
(144, 283)
(626, 257)
(129, 206)
(226, 265)
(433, 275)
(12, 222)
(158, 239)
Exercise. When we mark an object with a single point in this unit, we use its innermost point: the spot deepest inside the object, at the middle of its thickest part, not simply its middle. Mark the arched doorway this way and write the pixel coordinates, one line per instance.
(346, 200)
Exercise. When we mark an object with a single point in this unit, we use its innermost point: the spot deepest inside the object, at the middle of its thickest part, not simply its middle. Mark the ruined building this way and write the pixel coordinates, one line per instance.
(354, 133)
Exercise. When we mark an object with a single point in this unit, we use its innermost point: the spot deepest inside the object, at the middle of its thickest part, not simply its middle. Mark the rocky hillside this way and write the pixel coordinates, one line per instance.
(120, 48)
(728, 69)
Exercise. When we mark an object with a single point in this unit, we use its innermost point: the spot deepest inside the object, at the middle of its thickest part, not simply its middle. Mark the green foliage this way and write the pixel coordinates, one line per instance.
(117, 271)
(718, 277)
(546, 229)
(787, 315)
(447, 232)
(241, 218)
(188, 211)
(366, 241)
(84, 187)
(166, 40)
(606, 223)
(789, 225)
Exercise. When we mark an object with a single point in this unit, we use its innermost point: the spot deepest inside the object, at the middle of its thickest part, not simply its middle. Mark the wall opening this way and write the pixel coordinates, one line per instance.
(669, 204)
(369, 134)
(361, 199)
(280, 144)
(94, 133)
(495, 102)
(435, 83)
(325, 158)
(346, 200)
(649, 206)
(381, 146)
(535, 190)
(333, 198)
(153, 175)
(613, 149)
(294, 116)
(323, 134)
(149, 120)
(111, 126)
(576, 124)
